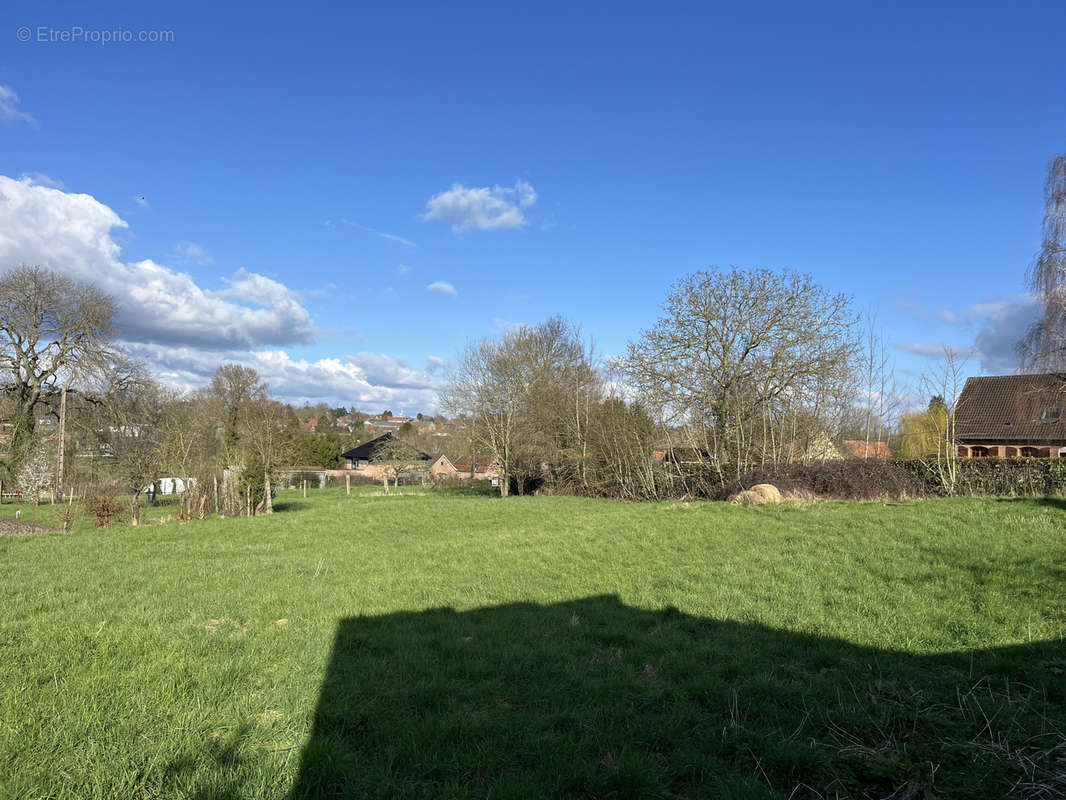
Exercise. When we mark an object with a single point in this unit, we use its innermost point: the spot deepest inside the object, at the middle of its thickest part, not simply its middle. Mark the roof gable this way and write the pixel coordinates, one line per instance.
(368, 451)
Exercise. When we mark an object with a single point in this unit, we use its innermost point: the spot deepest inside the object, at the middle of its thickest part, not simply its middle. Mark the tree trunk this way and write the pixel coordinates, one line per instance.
(268, 503)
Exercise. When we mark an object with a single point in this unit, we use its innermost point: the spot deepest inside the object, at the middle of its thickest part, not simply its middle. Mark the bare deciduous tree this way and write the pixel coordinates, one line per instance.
(188, 447)
(739, 358)
(134, 437)
(1044, 347)
(52, 327)
(264, 424)
(233, 386)
(526, 395)
(930, 435)
(882, 402)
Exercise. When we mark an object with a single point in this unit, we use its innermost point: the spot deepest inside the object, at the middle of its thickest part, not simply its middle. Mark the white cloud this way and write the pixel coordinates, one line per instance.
(366, 380)
(403, 269)
(9, 108)
(1003, 323)
(481, 209)
(184, 331)
(191, 251)
(442, 287)
(72, 234)
(998, 325)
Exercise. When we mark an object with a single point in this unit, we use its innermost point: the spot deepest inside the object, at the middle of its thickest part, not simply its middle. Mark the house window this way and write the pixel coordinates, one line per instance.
(1051, 415)
(979, 452)
(1030, 452)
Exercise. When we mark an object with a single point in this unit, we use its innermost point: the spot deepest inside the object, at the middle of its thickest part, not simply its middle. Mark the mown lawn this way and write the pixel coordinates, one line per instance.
(452, 645)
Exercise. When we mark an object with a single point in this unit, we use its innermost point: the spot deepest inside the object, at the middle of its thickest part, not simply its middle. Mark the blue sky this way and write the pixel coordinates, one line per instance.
(307, 172)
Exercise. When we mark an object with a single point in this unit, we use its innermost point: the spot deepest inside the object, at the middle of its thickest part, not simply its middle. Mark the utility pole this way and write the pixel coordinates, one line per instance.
(62, 438)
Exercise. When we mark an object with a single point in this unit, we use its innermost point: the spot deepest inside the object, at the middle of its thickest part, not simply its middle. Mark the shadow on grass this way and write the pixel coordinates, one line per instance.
(593, 698)
(291, 504)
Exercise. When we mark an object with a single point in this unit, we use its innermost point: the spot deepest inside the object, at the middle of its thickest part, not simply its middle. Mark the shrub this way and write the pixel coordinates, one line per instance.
(102, 503)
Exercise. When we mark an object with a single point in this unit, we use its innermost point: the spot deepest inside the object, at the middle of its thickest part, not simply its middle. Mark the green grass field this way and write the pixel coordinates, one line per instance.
(428, 645)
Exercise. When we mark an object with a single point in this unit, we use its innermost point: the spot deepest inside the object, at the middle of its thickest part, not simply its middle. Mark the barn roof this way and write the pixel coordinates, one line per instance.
(1012, 407)
(368, 450)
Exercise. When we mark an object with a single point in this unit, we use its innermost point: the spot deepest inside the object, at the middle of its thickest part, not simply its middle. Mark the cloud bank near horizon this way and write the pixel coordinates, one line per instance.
(185, 331)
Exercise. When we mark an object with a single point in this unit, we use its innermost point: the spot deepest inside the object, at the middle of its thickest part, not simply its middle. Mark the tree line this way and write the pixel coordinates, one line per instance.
(743, 368)
(79, 414)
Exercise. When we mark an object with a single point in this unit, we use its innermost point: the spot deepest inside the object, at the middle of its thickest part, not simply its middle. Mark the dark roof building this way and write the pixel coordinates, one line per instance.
(1012, 415)
(369, 451)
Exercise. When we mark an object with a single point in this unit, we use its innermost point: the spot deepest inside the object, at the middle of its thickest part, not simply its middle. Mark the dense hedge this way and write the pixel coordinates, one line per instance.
(996, 476)
(849, 479)
(843, 480)
(875, 479)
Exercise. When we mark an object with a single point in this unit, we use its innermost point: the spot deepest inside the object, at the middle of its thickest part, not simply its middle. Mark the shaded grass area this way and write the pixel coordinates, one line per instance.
(593, 698)
(454, 645)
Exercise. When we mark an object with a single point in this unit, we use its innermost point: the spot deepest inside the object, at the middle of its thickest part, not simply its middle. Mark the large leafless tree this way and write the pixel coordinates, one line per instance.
(53, 328)
(740, 359)
(233, 388)
(1044, 347)
(526, 394)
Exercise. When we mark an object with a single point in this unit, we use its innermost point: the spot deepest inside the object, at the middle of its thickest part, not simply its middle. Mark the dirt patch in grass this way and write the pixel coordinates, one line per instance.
(16, 527)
